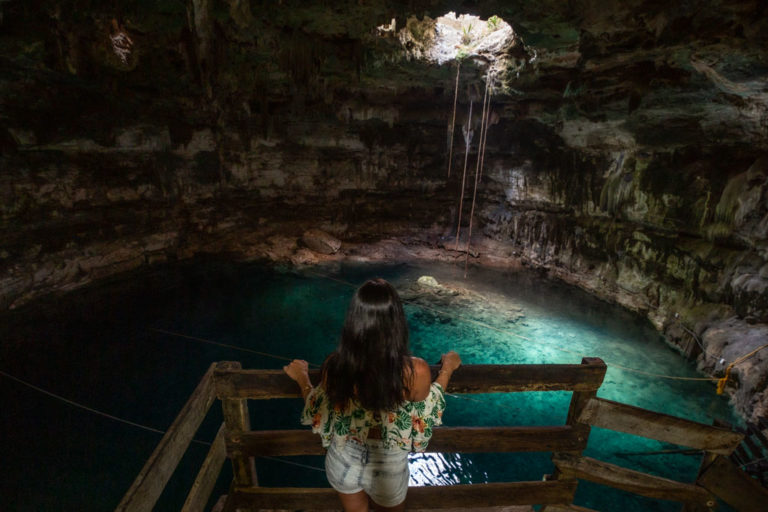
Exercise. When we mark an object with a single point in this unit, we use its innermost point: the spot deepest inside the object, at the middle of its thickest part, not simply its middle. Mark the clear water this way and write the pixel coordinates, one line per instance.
(104, 347)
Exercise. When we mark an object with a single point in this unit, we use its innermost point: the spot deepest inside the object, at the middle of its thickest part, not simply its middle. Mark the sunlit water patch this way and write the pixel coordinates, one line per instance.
(136, 349)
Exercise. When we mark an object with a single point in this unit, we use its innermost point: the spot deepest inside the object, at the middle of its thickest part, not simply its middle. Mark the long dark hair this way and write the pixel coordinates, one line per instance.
(372, 358)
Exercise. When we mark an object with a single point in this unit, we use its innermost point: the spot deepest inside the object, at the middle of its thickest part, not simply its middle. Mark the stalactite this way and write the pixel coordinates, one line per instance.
(478, 167)
(467, 140)
(453, 120)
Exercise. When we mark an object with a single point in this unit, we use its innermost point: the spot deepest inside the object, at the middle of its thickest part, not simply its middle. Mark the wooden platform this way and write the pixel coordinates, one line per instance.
(719, 476)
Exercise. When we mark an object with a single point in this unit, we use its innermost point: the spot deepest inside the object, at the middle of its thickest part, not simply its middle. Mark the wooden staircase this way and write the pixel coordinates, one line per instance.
(752, 453)
(234, 387)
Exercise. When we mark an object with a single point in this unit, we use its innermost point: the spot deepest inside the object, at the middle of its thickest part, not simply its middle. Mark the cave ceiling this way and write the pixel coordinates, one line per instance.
(599, 74)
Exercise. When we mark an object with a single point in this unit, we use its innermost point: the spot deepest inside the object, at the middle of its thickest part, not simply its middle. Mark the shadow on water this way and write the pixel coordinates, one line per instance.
(108, 347)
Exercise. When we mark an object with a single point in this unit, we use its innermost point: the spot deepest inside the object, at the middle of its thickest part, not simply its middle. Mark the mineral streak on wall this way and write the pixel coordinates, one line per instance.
(627, 149)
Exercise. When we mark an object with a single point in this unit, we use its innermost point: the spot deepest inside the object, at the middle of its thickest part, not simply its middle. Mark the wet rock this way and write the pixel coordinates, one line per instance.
(751, 297)
(427, 281)
(304, 257)
(280, 247)
(729, 341)
(320, 241)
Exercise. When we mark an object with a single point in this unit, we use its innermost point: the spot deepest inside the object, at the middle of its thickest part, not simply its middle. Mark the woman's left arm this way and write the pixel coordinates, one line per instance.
(298, 370)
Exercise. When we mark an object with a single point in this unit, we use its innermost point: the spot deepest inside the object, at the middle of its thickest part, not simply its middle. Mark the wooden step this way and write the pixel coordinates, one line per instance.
(429, 498)
(630, 480)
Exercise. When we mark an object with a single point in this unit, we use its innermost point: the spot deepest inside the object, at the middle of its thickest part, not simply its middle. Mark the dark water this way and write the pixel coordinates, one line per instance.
(104, 348)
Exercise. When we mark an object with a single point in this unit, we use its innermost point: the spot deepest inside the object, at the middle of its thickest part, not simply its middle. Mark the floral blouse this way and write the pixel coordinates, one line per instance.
(409, 427)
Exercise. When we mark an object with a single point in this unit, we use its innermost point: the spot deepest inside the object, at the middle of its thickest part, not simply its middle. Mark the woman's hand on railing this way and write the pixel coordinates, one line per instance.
(449, 362)
(298, 370)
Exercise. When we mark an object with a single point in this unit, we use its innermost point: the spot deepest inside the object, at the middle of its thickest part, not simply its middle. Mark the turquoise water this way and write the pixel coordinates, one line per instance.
(105, 348)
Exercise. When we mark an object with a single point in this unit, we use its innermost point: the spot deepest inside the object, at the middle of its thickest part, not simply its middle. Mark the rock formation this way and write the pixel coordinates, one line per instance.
(627, 148)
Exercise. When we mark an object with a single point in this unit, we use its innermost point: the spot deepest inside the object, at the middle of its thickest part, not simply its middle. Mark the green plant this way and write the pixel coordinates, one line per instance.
(466, 38)
(493, 22)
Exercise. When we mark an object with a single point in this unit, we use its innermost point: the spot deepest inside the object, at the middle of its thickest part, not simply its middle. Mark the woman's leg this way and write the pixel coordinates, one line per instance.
(355, 502)
(396, 508)
(386, 478)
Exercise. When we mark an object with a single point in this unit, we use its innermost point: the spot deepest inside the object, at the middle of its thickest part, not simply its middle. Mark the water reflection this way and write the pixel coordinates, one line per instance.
(437, 469)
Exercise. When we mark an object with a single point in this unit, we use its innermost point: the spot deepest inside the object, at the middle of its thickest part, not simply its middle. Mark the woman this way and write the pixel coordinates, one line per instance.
(375, 402)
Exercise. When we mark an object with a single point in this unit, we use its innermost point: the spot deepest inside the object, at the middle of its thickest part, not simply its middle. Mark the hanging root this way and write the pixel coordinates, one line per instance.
(453, 120)
(467, 140)
(478, 167)
(486, 120)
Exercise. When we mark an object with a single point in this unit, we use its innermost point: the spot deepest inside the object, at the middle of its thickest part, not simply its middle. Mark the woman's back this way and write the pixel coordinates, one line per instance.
(375, 402)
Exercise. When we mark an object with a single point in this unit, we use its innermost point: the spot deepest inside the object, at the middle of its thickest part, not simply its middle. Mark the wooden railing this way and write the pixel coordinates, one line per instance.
(235, 386)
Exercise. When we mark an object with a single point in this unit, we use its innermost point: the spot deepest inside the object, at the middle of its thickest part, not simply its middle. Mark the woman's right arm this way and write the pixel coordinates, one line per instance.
(449, 363)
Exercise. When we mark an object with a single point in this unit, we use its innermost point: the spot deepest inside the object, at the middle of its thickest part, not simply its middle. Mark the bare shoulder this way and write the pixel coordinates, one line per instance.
(422, 379)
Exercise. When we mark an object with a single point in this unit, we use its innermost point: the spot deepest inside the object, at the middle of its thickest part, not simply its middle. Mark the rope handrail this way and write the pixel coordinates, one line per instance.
(129, 422)
(722, 382)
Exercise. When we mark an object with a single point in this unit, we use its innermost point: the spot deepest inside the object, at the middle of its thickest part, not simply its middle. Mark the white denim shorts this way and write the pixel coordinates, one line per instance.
(381, 472)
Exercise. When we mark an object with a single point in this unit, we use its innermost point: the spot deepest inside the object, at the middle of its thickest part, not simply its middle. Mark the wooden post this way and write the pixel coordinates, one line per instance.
(237, 421)
(579, 400)
(706, 460)
(720, 476)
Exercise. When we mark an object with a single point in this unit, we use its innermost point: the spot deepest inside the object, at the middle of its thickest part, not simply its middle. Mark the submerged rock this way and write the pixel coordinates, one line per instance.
(443, 303)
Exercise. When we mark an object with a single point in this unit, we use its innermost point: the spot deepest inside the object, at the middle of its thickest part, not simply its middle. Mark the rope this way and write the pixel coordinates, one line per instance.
(722, 382)
(753, 462)
(131, 423)
(693, 335)
(478, 168)
(453, 120)
(90, 409)
(298, 464)
(487, 120)
(226, 345)
(467, 143)
(525, 338)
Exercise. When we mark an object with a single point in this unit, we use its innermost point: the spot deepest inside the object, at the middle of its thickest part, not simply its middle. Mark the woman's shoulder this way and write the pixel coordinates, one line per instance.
(421, 380)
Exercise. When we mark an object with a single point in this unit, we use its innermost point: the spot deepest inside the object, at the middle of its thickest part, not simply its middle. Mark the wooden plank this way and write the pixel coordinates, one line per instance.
(566, 508)
(150, 482)
(726, 481)
(445, 439)
(479, 378)
(754, 449)
(452, 496)
(503, 508)
(207, 476)
(741, 455)
(238, 420)
(637, 482)
(662, 427)
(755, 430)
